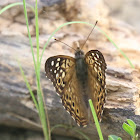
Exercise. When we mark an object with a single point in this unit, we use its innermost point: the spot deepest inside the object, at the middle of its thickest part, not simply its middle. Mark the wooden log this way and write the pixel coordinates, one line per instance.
(17, 109)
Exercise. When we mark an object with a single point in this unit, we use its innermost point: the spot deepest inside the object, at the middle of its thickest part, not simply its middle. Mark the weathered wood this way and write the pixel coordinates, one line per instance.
(16, 108)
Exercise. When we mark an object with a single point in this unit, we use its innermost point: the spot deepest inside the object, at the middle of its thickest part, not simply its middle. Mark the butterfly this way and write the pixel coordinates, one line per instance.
(78, 79)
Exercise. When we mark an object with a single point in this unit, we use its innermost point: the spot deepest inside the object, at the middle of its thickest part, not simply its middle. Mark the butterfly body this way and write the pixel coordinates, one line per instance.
(82, 74)
(77, 80)
(81, 66)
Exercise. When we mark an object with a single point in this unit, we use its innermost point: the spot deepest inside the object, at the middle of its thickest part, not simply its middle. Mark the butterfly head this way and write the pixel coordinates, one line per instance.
(79, 53)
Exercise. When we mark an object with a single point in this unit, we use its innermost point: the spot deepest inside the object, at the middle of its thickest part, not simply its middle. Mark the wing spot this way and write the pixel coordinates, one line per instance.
(98, 63)
(95, 69)
(97, 55)
(92, 54)
(73, 104)
(102, 82)
(102, 109)
(95, 58)
(67, 96)
(54, 71)
(73, 117)
(85, 125)
(60, 90)
(63, 84)
(61, 71)
(99, 68)
(59, 80)
(58, 68)
(50, 69)
(101, 96)
(77, 111)
(52, 63)
(58, 59)
(57, 64)
(57, 75)
(68, 111)
(69, 89)
(78, 124)
(63, 74)
(100, 74)
(58, 95)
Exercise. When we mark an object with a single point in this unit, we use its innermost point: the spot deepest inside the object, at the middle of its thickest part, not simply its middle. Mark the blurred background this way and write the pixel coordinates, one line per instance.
(126, 10)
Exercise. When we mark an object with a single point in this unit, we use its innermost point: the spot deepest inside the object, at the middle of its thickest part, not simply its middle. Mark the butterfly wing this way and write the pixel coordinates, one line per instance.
(61, 71)
(74, 103)
(96, 79)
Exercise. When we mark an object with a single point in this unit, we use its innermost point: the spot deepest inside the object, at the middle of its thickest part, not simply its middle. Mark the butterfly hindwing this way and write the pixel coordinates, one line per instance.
(74, 103)
(59, 70)
(96, 73)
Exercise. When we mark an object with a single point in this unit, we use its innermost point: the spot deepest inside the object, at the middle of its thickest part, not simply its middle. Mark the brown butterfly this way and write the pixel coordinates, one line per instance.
(77, 80)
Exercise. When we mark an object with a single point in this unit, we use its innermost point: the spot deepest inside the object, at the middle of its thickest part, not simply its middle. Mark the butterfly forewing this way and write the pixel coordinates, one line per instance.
(59, 70)
(96, 79)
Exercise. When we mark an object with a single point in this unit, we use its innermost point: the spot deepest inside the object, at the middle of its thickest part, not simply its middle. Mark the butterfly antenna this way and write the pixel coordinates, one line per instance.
(64, 44)
(89, 34)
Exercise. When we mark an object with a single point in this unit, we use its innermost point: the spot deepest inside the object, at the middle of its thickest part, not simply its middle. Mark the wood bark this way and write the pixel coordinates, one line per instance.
(17, 109)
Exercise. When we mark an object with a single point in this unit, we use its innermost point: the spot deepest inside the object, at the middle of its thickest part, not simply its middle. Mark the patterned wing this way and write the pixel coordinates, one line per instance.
(74, 103)
(59, 70)
(96, 79)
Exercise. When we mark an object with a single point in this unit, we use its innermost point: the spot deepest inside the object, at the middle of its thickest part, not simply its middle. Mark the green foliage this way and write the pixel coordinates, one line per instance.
(113, 137)
(130, 128)
(12, 5)
(96, 120)
(41, 105)
(132, 124)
